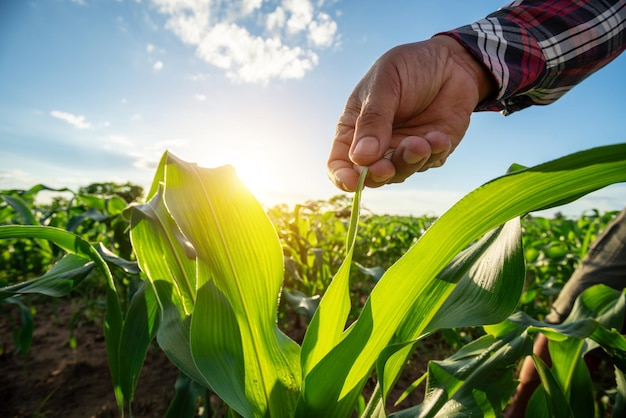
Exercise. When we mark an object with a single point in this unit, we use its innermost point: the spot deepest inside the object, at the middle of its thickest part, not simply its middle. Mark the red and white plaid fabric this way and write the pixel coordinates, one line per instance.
(538, 50)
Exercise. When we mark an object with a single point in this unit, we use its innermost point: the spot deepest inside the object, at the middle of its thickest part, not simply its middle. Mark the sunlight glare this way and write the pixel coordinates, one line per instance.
(255, 174)
(260, 174)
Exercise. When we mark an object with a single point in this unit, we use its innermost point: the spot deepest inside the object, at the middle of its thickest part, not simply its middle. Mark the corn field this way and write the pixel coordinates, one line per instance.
(320, 309)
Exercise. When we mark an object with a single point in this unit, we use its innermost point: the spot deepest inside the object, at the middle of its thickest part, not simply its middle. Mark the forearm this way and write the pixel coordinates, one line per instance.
(538, 50)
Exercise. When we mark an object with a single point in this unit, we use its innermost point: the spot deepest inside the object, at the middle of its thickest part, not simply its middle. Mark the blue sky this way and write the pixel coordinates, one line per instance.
(97, 90)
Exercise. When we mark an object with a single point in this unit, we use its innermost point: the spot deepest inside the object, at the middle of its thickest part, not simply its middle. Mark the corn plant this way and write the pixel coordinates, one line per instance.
(32, 238)
(312, 237)
(553, 248)
(215, 267)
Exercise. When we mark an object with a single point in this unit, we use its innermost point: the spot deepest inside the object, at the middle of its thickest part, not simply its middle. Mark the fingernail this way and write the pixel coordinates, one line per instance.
(367, 146)
(379, 179)
(411, 158)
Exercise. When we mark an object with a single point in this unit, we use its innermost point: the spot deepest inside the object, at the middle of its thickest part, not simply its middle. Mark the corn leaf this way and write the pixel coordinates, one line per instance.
(107, 255)
(475, 381)
(240, 271)
(490, 276)
(168, 260)
(601, 302)
(585, 328)
(138, 331)
(59, 281)
(461, 384)
(21, 207)
(581, 390)
(557, 404)
(23, 336)
(187, 393)
(619, 408)
(209, 214)
(401, 294)
(329, 320)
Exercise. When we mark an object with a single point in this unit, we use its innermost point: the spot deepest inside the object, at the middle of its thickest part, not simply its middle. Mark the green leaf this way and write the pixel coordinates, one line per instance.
(581, 390)
(59, 281)
(90, 213)
(605, 304)
(555, 398)
(619, 408)
(138, 331)
(475, 381)
(328, 323)
(23, 335)
(301, 303)
(220, 354)
(130, 267)
(570, 372)
(20, 207)
(187, 393)
(240, 260)
(169, 262)
(333, 385)
(215, 261)
(490, 277)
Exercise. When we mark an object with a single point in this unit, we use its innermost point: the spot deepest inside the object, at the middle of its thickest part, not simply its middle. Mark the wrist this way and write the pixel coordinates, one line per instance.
(486, 84)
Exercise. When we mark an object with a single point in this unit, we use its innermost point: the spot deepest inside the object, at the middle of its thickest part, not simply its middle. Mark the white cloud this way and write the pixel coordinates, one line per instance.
(188, 19)
(250, 41)
(250, 6)
(200, 97)
(157, 66)
(276, 19)
(301, 14)
(253, 59)
(77, 121)
(322, 32)
(149, 48)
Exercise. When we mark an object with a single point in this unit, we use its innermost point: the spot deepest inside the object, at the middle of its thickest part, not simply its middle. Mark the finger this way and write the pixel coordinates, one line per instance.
(419, 153)
(372, 134)
(340, 168)
(344, 176)
(379, 173)
(441, 146)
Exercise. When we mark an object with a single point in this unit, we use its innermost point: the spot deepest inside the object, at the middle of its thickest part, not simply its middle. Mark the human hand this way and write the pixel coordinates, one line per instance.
(408, 113)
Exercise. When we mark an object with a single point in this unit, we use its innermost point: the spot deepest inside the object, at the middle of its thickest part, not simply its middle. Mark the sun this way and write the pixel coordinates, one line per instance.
(259, 173)
(255, 174)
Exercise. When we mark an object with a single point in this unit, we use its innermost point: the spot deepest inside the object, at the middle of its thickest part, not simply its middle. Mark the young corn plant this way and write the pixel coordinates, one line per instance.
(63, 239)
(214, 265)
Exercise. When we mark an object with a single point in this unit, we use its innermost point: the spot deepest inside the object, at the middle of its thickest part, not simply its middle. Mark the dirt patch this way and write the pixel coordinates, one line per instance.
(53, 380)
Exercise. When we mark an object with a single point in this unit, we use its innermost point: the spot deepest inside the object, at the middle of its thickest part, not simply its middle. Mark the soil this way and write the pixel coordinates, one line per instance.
(54, 380)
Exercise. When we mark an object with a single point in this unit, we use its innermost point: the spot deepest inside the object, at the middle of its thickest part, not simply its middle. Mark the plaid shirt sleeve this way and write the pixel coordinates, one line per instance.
(538, 50)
